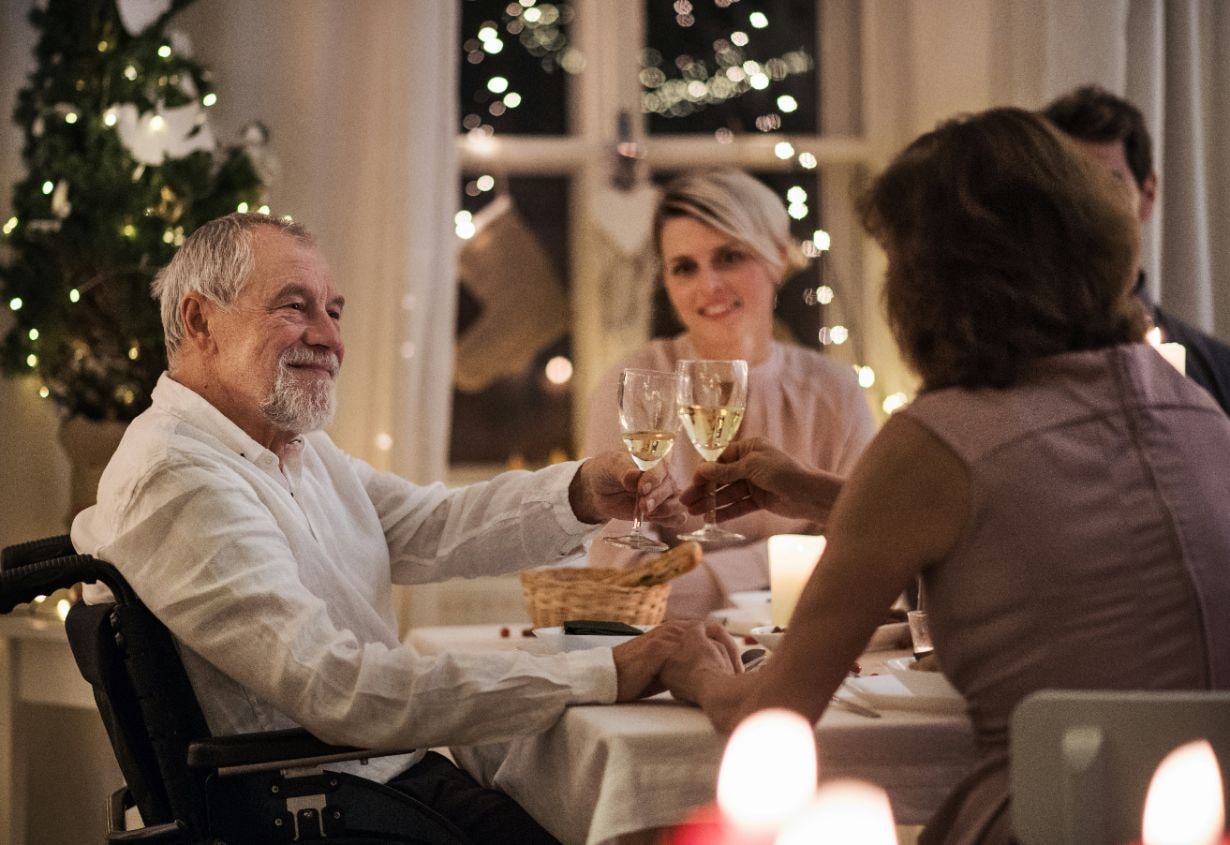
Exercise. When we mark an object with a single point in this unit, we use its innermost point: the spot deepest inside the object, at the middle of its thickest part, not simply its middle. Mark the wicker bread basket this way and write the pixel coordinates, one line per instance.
(636, 595)
(555, 596)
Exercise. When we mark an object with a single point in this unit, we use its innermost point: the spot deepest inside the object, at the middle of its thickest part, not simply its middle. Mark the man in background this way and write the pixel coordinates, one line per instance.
(1112, 131)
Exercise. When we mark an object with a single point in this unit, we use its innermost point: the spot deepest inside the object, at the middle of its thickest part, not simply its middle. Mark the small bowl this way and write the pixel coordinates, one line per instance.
(554, 639)
(758, 599)
(920, 681)
(767, 637)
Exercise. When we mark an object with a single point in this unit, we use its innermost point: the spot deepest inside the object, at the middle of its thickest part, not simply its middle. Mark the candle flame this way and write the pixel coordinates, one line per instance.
(768, 771)
(1185, 804)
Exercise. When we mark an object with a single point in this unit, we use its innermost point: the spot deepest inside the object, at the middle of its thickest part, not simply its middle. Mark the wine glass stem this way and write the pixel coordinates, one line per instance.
(636, 510)
(711, 505)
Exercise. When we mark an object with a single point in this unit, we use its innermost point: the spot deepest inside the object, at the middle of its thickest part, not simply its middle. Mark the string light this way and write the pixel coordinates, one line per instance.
(783, 150)
(807, 161)
(758, 20)
(32, 334)
(264, 209)
(48, 187)
(866, 376)
(384, 442)
(824, 294)
(74, 296)
(43, 392)
(15, 303)
(130, 73)
(512, 99)
(558, 370)
(739, 39)
(209, 99)
(164, 51)
(821, 239)
(242, 208)
(463, 225)
(31, 360)
(497, 85)
(70, 118)
(10, 225)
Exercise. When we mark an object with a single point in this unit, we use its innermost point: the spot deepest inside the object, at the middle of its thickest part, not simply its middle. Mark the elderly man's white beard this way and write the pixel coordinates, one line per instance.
(300, 403)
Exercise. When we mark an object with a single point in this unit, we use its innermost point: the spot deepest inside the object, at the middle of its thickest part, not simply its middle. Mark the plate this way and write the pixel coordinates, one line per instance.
(889, 636)
(919, 682)
(751, 599)
(887, 692)
(741, 620)
(554, 639)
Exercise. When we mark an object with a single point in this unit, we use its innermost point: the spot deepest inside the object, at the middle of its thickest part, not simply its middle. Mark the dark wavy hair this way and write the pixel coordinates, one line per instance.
(1004, 246)
(1090, 113)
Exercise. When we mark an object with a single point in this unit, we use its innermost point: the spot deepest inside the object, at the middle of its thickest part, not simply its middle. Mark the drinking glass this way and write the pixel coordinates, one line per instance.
(712, 398)
(648, 417)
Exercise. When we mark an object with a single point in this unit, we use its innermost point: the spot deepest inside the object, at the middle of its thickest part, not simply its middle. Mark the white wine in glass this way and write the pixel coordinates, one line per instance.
(712, 399)
(648, 417)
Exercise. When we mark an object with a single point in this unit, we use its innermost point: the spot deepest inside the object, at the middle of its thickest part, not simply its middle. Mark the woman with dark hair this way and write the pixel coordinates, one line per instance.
(1057, 484)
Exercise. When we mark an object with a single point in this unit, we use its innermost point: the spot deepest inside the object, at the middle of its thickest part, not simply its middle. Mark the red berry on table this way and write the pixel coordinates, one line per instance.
(504, 633)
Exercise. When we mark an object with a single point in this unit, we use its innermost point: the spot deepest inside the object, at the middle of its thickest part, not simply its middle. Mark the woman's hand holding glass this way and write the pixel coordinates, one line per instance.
(712, 399)
(648, 417)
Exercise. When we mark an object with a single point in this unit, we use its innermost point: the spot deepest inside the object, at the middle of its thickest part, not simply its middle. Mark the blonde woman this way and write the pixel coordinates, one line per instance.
(724, 246)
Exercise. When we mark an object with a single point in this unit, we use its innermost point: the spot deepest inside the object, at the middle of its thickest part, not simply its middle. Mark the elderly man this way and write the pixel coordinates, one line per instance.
(269, 553)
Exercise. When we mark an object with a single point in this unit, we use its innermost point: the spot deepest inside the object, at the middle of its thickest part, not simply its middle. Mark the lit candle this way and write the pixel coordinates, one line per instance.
(844, 811)
(768, 775)
(1174, 353)
(1185, 804)
(792, 557)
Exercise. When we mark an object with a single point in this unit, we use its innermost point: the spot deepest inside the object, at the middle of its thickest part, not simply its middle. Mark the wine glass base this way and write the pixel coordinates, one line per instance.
(712, 534)
(639, 542)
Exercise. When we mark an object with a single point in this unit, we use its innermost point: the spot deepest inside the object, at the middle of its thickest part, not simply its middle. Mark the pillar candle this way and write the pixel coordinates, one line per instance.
(792, 557)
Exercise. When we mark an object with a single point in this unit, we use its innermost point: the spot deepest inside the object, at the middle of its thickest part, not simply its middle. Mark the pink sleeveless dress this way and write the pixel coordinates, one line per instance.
(1096, 554)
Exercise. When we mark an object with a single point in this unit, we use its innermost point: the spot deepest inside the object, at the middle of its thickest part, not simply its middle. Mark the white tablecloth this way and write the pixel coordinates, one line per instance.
(606, 771)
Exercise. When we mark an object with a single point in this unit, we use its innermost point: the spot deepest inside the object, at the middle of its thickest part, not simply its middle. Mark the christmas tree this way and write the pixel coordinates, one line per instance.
(120, 165)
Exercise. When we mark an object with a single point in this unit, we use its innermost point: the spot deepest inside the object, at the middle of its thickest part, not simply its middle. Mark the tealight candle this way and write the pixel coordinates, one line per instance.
(768, 775)
(844, 810)
(1184, 804)
(792, 557)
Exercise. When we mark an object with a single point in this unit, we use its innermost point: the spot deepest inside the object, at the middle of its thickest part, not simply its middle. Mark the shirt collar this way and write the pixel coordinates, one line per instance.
(185, 403)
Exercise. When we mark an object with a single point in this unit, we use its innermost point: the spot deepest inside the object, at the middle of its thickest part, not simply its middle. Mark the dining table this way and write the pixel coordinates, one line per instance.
(623, 773)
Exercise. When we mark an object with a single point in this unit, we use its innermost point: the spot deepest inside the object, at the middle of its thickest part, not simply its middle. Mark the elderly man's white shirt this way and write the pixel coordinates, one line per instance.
(275, 580)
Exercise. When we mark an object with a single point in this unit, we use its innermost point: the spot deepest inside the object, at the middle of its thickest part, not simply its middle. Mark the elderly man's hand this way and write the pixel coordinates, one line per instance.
(605, 488)
(753, 475)
(671, 652)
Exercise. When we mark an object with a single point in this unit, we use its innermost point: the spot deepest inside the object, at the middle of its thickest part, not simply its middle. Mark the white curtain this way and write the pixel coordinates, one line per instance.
(1172, 59)
(360, 103)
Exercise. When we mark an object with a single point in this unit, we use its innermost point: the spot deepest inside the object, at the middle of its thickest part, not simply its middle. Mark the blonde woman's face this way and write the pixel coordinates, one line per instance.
(722, 291)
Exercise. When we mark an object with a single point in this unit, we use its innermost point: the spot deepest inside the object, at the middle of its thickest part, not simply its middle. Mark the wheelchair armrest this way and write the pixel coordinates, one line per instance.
(257, 752)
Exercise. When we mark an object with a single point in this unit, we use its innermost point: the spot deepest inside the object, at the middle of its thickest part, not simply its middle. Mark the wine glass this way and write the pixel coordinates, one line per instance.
(712, 398)
(648, 417)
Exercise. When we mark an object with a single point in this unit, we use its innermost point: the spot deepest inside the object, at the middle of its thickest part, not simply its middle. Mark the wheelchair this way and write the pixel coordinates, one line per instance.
(188, 787)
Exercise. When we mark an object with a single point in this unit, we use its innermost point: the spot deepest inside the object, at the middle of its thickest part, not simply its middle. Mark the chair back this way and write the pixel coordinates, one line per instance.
(1081, 761)
(130, 660)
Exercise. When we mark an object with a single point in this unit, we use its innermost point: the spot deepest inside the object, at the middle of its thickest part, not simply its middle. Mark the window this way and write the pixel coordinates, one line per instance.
(549, 93)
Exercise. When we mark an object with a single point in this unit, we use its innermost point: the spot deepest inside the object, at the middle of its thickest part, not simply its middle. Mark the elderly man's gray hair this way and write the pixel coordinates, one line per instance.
(215, 261)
